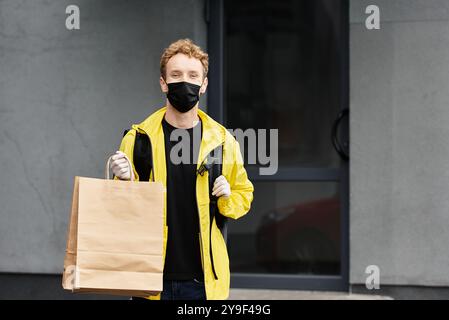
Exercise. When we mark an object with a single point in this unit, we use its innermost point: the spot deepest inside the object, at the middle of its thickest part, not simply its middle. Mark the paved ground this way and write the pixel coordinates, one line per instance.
(256, 294)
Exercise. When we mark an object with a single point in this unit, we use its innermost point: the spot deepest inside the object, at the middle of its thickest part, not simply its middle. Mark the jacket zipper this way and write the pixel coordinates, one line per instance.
(201, 238)
(210, 231)
(201, 249)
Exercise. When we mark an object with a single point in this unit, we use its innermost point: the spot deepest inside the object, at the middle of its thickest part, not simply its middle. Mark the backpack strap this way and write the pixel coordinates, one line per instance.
(214, 166)
(214, 172)
(142, 156)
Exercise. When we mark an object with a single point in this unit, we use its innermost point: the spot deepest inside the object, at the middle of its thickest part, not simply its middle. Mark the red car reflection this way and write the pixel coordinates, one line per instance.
(301, 238)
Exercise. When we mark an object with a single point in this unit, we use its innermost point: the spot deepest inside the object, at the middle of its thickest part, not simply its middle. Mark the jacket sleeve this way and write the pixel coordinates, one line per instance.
(239, 202)
(127, 147)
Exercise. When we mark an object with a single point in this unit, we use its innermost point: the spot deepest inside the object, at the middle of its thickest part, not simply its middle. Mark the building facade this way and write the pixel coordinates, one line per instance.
(361, 114)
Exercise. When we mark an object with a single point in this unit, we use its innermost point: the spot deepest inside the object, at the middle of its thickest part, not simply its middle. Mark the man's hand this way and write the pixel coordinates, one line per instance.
(221, 187)
(120, 166)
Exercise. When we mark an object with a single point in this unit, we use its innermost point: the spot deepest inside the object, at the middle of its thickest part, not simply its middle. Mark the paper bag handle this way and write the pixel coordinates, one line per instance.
(106, 170)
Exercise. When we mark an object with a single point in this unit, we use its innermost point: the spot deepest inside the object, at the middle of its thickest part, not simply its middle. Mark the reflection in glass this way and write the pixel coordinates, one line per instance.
(282, 70)
(292, 228)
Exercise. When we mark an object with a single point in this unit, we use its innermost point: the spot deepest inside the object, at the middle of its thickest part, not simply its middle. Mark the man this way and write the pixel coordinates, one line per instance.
(192, 270)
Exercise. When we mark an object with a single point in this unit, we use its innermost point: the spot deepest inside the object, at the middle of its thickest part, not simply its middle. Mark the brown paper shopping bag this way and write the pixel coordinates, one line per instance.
(115, 237)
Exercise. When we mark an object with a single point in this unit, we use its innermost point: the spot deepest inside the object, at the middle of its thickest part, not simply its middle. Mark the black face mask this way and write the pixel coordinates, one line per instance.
(183, 95)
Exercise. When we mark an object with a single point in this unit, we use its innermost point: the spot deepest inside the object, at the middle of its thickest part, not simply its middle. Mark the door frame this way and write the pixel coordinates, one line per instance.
(214, 15)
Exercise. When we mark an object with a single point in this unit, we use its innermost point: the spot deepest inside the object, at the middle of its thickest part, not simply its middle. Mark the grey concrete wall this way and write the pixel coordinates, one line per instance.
(399, 125)
(65, 99)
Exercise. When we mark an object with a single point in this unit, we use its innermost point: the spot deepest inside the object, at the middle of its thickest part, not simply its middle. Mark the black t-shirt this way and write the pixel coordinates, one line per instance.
(183, 256)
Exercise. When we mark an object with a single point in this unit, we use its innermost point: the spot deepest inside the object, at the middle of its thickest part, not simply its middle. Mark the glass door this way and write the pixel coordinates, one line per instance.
(283, 65)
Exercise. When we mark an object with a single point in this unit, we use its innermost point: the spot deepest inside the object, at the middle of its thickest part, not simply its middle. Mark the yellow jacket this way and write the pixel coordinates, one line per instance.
(236, 206)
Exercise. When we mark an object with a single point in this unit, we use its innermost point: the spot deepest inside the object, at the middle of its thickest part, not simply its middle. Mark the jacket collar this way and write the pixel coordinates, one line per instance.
(213, 133)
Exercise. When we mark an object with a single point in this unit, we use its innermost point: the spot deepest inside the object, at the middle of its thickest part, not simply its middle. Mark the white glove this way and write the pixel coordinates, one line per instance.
(120, 166)
(221, 187)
